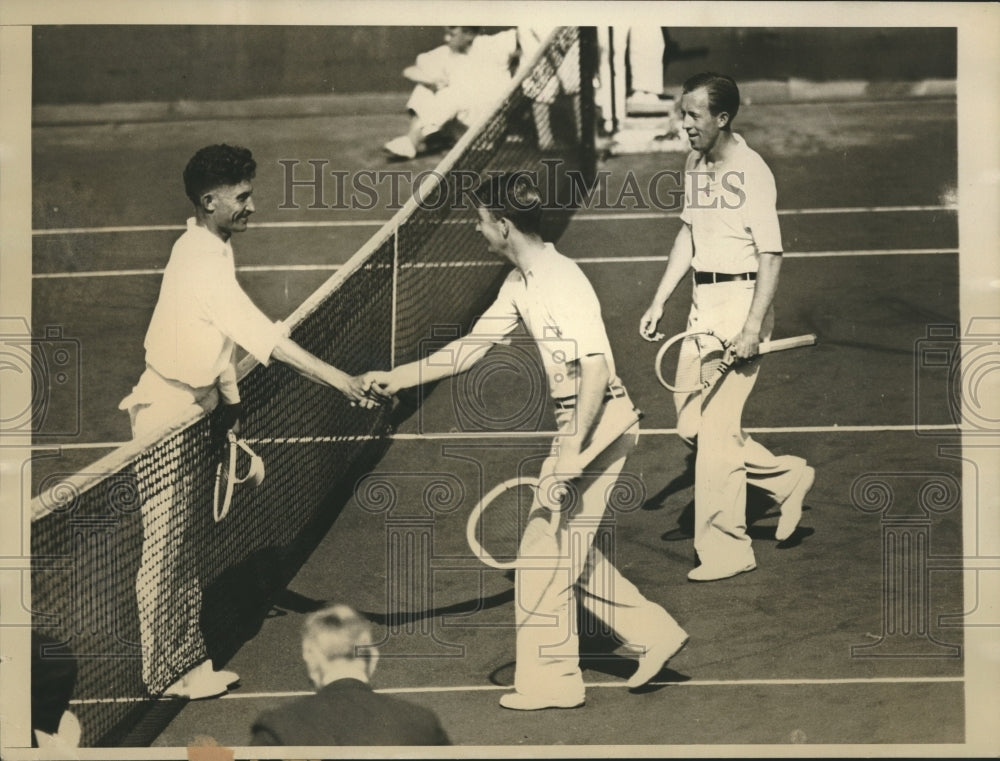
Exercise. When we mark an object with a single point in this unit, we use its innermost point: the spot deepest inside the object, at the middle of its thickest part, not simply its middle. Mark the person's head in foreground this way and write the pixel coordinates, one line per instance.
(337, 644)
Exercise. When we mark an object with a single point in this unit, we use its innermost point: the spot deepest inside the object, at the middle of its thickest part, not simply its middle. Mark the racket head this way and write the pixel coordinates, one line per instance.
(226, 478)
(689, 361)
(497, 522)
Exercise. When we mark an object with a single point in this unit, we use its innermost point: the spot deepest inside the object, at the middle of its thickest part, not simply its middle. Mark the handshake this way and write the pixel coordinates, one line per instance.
(369, 390)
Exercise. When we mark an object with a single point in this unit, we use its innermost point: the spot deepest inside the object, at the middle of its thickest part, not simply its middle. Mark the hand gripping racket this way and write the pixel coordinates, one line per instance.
(698, 359)
(226, 478)
(498, 520)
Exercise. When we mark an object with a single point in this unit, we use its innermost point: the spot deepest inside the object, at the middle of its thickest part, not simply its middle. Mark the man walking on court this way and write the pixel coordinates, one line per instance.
(339, 655)
(549, 293)
(731, 238)
(201, 315)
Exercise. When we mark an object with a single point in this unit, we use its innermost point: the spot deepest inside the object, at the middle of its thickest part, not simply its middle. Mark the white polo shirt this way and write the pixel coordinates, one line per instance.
(202, 313)
(731, 208)
(559, 307)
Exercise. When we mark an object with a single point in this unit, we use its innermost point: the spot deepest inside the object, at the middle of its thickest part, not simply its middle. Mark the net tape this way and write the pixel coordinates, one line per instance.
(118, 560)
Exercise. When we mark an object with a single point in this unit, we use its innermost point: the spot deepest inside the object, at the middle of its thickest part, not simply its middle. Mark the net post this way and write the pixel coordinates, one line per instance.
(589, 62)
(395, 299)
(616, 64)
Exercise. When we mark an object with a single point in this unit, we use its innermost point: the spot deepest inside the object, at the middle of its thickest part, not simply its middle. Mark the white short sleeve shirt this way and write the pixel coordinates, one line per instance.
(732, 210)
(559, 307)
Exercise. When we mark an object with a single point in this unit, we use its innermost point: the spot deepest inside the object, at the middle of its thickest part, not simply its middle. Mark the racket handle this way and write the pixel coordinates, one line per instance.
(792, 342)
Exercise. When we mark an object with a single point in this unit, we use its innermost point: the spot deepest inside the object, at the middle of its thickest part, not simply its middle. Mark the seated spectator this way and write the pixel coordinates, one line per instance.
(340, 658)
(456, 83)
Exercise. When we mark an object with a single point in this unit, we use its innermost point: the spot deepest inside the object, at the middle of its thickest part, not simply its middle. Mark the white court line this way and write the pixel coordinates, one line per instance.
(449, 265)
(622, 685)
(643, 215)
(613, 685)
(592, 217)
(506, 435)
(166, 228)
(787, 255)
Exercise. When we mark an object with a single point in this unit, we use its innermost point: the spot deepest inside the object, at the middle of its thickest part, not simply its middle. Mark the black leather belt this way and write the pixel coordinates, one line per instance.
(569, 402)
(707, 278)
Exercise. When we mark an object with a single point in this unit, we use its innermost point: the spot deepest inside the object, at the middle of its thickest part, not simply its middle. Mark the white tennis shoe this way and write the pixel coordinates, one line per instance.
(656, 657)
(202, 682)
(712, 572)
(402, 147)
(519, 701)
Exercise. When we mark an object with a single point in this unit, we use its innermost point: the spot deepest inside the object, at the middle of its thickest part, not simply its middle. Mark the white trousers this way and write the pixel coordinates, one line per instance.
(548, 662)
(645, 57)
(434, 109)
(167, 587)
(727, 459)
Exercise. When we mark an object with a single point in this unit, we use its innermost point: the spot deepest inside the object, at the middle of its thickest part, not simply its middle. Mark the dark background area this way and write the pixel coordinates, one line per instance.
(820, 54)
(98, 64)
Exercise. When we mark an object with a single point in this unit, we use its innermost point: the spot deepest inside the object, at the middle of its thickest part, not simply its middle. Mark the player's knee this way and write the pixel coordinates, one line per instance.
(720, 445)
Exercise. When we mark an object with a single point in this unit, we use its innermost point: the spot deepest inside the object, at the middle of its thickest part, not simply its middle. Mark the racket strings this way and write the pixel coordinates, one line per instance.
(712, 354)
(501, 525)
(693, 362)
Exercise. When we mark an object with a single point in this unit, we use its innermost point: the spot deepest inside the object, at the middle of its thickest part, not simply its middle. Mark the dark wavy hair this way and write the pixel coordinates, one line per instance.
(723, 94)
(514, 196)
(216, 166)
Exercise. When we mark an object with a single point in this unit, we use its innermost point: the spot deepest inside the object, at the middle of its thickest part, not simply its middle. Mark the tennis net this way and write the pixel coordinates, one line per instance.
(108, 550)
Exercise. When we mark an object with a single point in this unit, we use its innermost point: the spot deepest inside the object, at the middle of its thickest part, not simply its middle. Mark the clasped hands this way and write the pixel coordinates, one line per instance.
(372, 389)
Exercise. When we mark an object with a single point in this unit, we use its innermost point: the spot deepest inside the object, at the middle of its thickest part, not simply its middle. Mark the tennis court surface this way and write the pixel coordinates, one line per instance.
(842, 635)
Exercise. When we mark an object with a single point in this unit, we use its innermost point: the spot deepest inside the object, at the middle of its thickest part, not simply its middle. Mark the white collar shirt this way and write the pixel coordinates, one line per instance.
(202, 313)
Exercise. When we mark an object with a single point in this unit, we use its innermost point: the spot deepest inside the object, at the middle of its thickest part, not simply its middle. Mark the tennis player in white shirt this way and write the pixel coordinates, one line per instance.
(201, 315)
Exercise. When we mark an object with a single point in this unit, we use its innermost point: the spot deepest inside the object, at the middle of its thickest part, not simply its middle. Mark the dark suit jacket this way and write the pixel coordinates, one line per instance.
(348, 712)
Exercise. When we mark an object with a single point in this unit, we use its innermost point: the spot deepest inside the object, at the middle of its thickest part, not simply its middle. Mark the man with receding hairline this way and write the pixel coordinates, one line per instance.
(340, 659)
(732, 241)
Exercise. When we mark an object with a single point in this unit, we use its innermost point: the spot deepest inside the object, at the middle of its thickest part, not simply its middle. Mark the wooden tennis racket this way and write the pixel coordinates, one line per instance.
(497, 522)
(698, 359)
(225, 475)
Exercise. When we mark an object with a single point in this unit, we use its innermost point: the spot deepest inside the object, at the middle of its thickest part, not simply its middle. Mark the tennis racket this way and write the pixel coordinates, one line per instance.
(698, 359)
(226, 478)
(498, 520)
